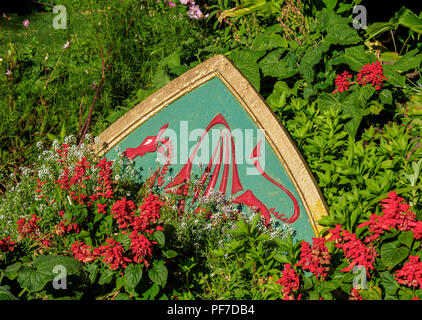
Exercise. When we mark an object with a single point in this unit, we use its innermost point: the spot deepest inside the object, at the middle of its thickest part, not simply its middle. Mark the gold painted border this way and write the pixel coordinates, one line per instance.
(276, 135)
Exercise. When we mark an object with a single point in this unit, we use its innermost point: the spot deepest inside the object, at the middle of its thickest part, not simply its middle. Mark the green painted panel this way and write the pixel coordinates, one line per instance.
(194, 111)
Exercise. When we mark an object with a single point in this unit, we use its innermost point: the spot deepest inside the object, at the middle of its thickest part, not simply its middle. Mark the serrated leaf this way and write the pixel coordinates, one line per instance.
(342, 34)
(106, 277)
(12, 271)
(386, 96)
(271, 65)
(393, 76)
(246, 62)
(269, 42)
(409, 61)
(132, 276)
(31, 279)
(158, 273)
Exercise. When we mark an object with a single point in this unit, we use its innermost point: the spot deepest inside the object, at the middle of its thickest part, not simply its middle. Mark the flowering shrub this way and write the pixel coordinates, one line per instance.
(386, 248)
(80, 213)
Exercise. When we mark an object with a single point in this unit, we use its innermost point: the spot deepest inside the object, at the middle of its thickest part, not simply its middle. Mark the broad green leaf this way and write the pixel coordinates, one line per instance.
(169, 254)
(393, 77)
(5, 294)
(269, 42)
(93, 271)
(246, 62)
(406, 238)
(393, 253)
(411, 21)
(272, 66)
(330, 4)
(326, 101)
(379, 28)
(31, 279)
(342, 34)
(132, 276)
(386, 96)
(12, 271)
(282, 258)
(389, 283)
(352, 108)
(356, 57)
(46, 264)
(158, 273)
(106, 277)
(409, 61)
(310, 59)
(159, 237)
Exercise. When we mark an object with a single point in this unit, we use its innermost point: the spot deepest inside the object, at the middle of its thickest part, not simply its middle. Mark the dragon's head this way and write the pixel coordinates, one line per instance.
(150, 144)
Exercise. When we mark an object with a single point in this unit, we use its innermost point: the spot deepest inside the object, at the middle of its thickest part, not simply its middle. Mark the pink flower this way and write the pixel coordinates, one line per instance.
(8, 73)
(171, 4)
(26, 23)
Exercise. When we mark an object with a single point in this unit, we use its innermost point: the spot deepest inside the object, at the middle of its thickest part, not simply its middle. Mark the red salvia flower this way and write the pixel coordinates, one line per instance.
(140, 246)
(395, 215)
(411, 273)
(104, 187)
(289, 281)
(6, 245)
(123, 212)
(354, 295)
(113, 254)
(354, 250)
(82, 252)
(342, 82)
(28, 228)
(315, 259)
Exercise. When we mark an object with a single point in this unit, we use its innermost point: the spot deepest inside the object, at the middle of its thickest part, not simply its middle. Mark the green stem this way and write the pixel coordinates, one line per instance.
(22, 292)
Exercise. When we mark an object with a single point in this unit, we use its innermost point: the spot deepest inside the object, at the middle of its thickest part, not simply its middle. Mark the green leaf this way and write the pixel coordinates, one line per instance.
(31, 279)
(393, 77)
(106, 277)
(282, 258)
(389, 283)
(132, 276)
(409, 61)
(169, 254)
(392, 254)
(326, 101)
(406, 238)
(159, 237)
(12, 271)
(272, 66)
(386, 96)
(269, 41)
(246, 62)
(158, 273)
(330, 4)
(93, 271)
(366, 92)
(356, 57)
(151, 292)
(5, 294)
(378, 28)
(411, 21)
(352, 108)
(46, 264)
(310, 59)
(342, 34)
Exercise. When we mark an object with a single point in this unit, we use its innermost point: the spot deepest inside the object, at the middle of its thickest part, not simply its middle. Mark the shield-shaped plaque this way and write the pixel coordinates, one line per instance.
(210, 122)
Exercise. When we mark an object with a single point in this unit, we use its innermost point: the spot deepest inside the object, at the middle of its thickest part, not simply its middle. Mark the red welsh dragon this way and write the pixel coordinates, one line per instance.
(179, 185)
